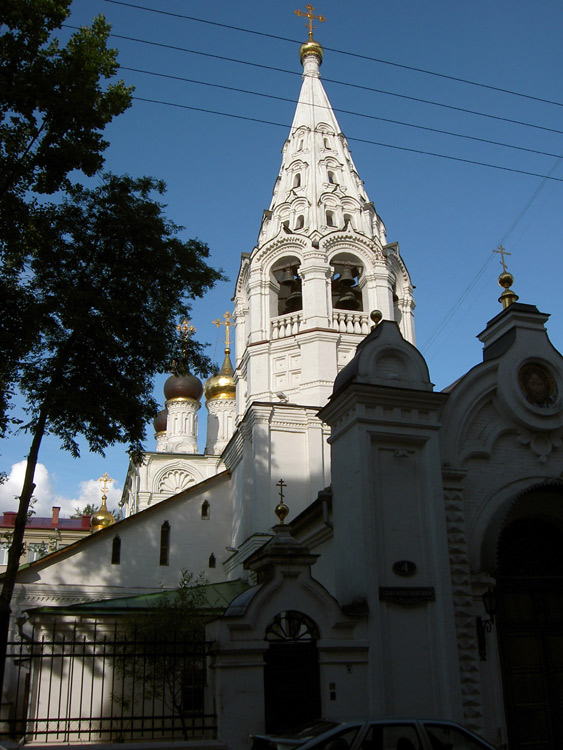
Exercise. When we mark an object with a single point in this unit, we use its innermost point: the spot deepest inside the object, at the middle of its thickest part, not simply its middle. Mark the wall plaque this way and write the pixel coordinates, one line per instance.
(404, 568)
(407, 594)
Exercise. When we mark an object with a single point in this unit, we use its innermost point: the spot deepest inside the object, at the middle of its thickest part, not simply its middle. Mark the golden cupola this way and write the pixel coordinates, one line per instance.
(102, 517)
(220, 398)
(222, 385)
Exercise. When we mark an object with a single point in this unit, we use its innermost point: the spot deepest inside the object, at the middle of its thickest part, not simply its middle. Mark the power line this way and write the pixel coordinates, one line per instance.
(331, 80)
(455, 307)
(356, 140)
(358, 55)
(343, 111)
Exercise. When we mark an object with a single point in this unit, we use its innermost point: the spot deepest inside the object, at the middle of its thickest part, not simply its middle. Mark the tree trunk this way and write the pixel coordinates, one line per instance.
(16, 546)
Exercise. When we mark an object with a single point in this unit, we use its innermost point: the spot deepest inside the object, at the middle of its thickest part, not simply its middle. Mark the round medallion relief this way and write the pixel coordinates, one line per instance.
(537, 384)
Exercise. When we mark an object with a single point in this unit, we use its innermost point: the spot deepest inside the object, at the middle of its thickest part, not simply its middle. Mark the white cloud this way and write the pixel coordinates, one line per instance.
(11, 489)
(46, 497)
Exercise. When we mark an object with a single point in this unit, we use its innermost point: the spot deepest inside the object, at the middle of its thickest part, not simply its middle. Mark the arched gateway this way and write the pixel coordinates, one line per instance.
(292, 693)
(529, 596)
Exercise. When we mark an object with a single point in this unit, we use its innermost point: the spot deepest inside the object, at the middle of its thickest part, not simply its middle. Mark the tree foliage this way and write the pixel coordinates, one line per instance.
(92, 282)
(88, 510)
(53, 107)
(55, 101)
(108, 279)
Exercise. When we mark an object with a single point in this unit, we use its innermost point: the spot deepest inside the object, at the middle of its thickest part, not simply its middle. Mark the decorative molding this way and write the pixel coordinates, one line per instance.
(463, 611)
(286, 242)
(541, 444)
(175, 481)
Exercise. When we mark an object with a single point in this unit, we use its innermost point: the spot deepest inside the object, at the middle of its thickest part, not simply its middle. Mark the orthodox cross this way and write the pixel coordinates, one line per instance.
(281, 510)
(281, 484)
(185, 329)
(502, 252)
(228, 322)
(309, 15)
(105, 478)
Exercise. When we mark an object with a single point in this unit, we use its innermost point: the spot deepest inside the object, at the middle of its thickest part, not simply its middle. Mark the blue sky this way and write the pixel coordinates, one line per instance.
(446, 215)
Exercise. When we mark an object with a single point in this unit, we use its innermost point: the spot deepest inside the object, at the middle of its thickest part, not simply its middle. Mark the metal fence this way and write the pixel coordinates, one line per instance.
(94, 681)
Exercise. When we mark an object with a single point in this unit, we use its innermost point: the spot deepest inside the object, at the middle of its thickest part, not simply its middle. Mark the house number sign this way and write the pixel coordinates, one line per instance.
(404, 568)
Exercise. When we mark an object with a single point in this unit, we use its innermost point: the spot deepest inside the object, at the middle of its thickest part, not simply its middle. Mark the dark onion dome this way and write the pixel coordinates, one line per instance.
(183, 387)
(222, 385)
(159, 422)
(102, 517)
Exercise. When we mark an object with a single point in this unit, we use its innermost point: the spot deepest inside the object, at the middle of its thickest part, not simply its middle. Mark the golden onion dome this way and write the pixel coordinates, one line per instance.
(311, 47)
(102, 517)
(222, 385)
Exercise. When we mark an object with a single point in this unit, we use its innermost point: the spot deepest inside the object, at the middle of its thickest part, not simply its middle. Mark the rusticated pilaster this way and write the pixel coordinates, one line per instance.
(464, 615)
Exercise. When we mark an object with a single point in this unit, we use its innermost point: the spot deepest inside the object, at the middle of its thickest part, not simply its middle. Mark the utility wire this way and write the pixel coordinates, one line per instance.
(463, 296)
(342, 52)
(331, 80)
(343, 111)
(517, 219)
(356, 140)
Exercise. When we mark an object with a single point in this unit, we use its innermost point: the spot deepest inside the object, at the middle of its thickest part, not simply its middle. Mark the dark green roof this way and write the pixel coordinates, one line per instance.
(216, 598)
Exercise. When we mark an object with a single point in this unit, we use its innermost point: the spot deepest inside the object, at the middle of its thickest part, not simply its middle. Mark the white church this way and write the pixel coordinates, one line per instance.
(371, 547)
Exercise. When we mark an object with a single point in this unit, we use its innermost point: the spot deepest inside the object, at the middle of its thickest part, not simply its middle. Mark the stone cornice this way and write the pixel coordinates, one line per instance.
(383, 406)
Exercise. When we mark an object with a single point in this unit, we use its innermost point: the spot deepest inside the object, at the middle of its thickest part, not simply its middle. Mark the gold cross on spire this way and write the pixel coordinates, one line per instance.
(281, 484)
(185, 329)
(502, 252)
(105, 478)
(228, 322)
(309, 15)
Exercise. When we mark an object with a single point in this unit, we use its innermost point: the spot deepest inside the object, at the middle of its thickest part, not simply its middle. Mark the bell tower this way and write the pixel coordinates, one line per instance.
(321, 265)
(302, 303)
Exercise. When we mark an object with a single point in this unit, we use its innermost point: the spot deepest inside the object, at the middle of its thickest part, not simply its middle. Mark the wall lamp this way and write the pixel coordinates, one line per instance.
(485, 626)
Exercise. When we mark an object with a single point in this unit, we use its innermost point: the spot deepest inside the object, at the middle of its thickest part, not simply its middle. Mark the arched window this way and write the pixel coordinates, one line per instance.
(327, 143)
(116, 550)
(348, 219)
(330, 219)
(212, 560)
(289, 296)
(346, 292)
(292, 625)
(205, 510)
(297, 180)
(164, 543)
(332, 178)
(300, 223)
(300, 145)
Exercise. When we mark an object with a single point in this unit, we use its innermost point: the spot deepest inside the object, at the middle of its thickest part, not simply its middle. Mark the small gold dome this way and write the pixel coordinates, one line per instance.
(102, 517)
(311, 47)
(506, 280)
(508, 296)
(222, 385)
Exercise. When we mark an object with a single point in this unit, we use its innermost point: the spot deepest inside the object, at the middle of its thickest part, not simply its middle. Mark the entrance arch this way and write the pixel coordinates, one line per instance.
(292, 694)
(529, 596)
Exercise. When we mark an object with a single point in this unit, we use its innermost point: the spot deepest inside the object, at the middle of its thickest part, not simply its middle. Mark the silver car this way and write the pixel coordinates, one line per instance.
(378, 734)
